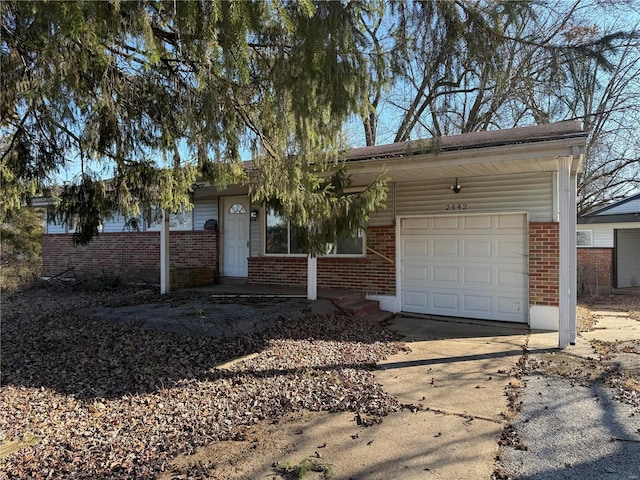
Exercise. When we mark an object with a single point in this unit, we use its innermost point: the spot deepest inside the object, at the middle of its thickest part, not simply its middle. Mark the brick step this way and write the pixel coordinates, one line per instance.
(362, 308)
(344, 298)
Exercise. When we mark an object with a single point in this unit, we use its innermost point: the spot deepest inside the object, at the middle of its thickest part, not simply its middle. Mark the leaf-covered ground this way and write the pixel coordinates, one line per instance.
(88, 398)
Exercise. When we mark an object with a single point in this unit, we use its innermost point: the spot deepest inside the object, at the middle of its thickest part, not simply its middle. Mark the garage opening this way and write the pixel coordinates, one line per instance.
(472, 266)
(627, 251)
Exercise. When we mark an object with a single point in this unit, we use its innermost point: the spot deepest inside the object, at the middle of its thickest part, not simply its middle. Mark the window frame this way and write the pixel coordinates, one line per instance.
(590, 238)
(363, 254)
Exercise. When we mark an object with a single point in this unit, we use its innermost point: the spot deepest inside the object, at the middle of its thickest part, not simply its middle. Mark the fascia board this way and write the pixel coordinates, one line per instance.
(549, 150)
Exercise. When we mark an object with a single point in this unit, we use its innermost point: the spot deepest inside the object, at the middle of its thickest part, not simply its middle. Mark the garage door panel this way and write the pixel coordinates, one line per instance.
(415, 225)
(444, 223)
(445, 301)
(444, 274)
(516, 222)
(477, 248)
(417, 301)
(442, 247)
(477, 222)
(471, 266)
(477, 303)
(417, 273)
(478, 276)
(506, 305)
(509, 279)
(508, 248)
(416, 248)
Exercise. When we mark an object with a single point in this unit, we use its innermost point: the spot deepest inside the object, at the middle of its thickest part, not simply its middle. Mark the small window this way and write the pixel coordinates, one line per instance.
(584, 238)
(237, 208)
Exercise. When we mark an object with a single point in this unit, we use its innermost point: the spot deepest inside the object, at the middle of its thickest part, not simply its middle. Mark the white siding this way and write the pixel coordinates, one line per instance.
(52, 228)
(603, 232)
(384, 216)
(114, 224)
(602, 236)
(255, 231)
(177, 221)
(628, 258)
(204, 210)
(531, 193)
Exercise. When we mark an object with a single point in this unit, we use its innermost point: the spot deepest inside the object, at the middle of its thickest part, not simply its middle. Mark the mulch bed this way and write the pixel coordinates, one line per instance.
(89, 398)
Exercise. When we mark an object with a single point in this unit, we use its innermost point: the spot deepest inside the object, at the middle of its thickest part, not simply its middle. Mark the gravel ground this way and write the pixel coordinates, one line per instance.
(572, 431)
(577, 417)
(87, 397)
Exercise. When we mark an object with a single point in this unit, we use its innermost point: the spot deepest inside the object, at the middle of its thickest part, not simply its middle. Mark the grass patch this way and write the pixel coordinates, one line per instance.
(565, 365)
(610, 348)
(13, 446)
(632, 384)
(585, 321)
(302, 469)
(623, 303)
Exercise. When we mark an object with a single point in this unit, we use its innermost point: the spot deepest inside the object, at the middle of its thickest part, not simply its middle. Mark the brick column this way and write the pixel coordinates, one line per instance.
(544, 263)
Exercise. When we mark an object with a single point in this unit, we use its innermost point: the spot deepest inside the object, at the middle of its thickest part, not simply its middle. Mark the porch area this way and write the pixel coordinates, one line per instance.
(352, 301)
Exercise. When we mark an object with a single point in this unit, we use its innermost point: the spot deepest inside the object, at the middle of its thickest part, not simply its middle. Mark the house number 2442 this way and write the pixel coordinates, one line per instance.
(455, 206)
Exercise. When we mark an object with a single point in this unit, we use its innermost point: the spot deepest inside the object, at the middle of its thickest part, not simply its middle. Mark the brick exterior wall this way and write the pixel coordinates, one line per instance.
(595, 267)
(370, 274)
(279, 271)
(544, 263)
(135, 256)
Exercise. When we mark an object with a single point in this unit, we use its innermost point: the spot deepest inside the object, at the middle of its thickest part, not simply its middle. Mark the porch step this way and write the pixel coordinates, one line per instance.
(356, 304)
(362, 308)
(343, 298)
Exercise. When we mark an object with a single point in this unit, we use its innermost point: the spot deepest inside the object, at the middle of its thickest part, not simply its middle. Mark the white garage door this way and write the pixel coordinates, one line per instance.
(470, 266)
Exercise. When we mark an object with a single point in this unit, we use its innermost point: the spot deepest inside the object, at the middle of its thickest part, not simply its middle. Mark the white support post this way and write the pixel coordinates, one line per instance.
(573, 261)
(165, 280)
(567, 219)
(312, 278)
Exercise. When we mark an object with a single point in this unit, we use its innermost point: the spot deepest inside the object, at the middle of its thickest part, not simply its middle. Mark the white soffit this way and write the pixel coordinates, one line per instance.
(501, 160)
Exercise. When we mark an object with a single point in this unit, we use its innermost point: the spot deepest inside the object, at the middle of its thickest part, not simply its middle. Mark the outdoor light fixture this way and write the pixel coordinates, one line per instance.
(456, 187)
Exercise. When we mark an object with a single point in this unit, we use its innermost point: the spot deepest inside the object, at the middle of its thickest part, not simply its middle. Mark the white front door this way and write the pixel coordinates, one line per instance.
(235, 237)
(470, 266)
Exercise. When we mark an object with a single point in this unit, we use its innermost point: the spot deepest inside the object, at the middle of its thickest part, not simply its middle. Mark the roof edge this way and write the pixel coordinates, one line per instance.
(537, 133)
(600, 210)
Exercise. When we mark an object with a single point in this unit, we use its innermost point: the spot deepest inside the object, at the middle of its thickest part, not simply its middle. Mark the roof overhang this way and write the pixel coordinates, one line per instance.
(622, 218)
(484, 153)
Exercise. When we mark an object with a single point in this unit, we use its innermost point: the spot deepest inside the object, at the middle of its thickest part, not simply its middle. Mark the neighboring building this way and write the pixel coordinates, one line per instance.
(479, 225)
(608, 242)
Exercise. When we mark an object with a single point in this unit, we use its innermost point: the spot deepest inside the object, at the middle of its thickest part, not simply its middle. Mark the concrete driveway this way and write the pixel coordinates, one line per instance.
(457, 373)
(456, 377)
